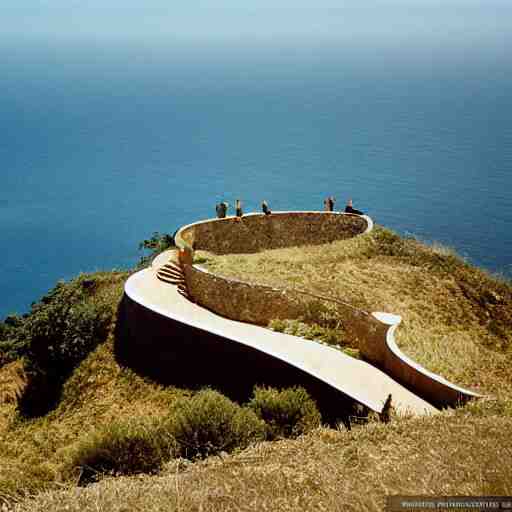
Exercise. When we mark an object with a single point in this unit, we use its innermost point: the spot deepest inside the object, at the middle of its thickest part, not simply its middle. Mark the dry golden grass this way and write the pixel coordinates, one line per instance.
(33, 452)
(13, 381)
(457, 320)
(327, 470)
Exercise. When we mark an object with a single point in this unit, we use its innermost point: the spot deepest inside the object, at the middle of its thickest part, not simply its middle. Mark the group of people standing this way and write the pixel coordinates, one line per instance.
(222, 208)
(349, 208)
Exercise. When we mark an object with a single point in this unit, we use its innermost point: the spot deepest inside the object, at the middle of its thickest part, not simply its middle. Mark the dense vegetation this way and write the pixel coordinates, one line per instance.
(71, 413)
(158, 243)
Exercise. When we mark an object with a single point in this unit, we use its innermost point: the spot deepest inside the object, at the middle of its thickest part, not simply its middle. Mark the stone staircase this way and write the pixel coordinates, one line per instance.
(172, 273)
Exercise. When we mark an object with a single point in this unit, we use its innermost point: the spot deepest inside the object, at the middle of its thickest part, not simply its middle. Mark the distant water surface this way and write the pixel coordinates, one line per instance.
(101, 146)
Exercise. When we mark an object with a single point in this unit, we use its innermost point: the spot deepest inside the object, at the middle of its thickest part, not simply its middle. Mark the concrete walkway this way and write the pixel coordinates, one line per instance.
(353, 377)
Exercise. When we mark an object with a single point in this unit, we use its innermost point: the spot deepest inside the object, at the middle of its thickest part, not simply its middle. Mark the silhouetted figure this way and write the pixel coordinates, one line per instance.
(329, 204)
(265, 208)
(350, 209)
(238, 207)
(221, 210)
(385, 415)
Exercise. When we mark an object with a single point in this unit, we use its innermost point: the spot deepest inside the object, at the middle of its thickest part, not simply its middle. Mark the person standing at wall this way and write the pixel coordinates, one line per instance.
(221, 210)
(238, 207)
(329, 203)
(350, 209)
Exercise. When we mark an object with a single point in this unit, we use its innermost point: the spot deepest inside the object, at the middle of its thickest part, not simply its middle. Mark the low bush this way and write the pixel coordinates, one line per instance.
(64, 327)
(157, 244)
(209, 423)
(335, 337)
(60, 331)
(287, 413)
(409, 250)
(122, 448)
(323, 314)
(12, 343)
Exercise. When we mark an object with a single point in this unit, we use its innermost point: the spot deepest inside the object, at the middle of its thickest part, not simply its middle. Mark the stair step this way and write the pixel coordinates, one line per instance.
(184, 294)
(173, 266)
(168, 280)
(170, 273)
(171, 280)
(174, 276)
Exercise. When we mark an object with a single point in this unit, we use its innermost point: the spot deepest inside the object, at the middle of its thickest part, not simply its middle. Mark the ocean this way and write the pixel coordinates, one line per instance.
(103, 144)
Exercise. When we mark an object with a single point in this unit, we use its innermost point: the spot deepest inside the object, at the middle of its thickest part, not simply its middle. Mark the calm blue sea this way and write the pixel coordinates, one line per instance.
(103, 144)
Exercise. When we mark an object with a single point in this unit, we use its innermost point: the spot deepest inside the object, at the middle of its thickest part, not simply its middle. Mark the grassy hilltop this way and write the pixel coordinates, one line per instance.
(457, 320)
(70, 412)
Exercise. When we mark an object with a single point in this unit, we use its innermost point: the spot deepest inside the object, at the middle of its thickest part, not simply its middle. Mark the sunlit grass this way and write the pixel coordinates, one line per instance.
(325, 470)
(456, 319)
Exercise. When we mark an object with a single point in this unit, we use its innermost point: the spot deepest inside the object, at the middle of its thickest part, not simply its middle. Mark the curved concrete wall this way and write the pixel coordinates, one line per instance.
(239, 300)
(173, 340)
(388, 357)
(173, 352)
(259, 304)
(257, 232)
(374, 333)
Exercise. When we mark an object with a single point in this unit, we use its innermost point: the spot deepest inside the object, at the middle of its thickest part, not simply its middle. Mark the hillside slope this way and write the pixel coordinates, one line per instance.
(457, 321)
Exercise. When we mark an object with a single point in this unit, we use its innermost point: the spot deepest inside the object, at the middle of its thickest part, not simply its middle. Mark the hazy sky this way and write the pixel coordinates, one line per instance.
(251, 20)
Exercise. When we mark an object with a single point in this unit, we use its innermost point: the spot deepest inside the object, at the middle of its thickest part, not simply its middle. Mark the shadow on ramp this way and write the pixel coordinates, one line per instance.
(172, 353)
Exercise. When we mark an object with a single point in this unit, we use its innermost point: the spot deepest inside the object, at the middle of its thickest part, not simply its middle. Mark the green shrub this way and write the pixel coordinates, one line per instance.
(412, 251)
(13, 344)
(157, 244)
(335, 337)
(287, 413)
(122, 448)
(320, 313)
(60, 331)
(65, 327)
(209, 423)
(278, 325)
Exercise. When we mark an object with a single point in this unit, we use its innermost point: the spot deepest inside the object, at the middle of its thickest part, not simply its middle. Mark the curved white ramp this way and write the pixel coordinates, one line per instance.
(357, 379)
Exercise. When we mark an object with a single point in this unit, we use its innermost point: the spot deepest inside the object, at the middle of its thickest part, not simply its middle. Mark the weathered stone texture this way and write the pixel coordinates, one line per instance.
(258, 304)
(241, 301)
(255, 233)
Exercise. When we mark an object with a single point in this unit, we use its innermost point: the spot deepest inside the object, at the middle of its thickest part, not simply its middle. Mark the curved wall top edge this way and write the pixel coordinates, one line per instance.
(131, 292)
(393, 321)
(389, 321)
(181, 234)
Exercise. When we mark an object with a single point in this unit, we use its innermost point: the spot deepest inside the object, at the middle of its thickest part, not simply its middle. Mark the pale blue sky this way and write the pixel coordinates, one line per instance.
(262, 20)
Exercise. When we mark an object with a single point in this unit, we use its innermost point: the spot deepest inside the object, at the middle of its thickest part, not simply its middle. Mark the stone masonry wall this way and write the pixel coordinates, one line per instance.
(238, 300)
(254, 233)
(258, 304)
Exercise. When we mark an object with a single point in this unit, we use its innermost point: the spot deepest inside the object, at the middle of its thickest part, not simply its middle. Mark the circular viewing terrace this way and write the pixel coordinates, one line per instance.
(257, 232)
(214, 306)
